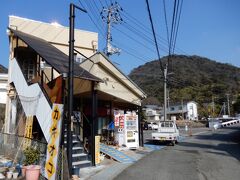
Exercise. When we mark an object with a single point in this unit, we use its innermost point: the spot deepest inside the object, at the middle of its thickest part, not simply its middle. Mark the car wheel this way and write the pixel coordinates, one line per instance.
(173, 143)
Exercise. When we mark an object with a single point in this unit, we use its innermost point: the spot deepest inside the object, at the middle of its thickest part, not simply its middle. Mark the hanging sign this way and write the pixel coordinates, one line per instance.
(53, 144)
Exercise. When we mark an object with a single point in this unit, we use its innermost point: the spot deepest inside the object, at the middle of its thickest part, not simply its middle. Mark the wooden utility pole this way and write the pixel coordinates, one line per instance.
(165, 94)
(228, 105)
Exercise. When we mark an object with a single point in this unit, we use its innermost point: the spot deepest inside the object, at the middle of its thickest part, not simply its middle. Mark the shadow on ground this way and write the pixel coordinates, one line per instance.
(228, 142)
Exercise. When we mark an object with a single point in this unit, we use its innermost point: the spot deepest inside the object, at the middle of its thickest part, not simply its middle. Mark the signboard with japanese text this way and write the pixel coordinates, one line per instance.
(121, 121)
(97, 149)
(53, 145)
(28, 132)
(116, 120)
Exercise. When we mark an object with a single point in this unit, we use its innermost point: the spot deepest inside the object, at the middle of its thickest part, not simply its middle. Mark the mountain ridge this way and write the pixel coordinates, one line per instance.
(194, 78)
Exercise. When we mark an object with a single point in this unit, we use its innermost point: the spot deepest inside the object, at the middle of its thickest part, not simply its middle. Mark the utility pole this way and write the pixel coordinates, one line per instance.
(228, 105)
(182, 110)
(168, 99)
(70, 84)
(111, 15)
(224, 108)
(165, 93)
(213, 107)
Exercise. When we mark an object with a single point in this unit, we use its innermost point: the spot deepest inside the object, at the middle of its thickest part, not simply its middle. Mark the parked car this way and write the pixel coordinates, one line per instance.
(167, 131)
(152, 125)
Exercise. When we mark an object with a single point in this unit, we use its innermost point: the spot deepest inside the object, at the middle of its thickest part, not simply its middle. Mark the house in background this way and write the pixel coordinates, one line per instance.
(187, 111)
(3, 97)
(152, 113)
(3, 87)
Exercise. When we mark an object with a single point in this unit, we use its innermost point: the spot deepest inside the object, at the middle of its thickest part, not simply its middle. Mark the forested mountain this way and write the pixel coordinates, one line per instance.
(190, 78)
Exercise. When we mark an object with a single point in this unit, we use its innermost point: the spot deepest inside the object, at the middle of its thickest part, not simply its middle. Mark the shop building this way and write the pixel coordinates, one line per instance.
(106, 102)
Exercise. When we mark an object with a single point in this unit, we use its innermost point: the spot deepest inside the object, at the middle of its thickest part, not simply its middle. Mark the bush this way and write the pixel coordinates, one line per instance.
(32, 156)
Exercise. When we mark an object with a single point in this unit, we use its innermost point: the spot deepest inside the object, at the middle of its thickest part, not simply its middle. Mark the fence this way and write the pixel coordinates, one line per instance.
(11, 150)
(12, 146)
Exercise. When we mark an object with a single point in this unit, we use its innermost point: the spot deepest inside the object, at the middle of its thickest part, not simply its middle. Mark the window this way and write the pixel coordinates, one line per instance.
(167, 124)
(78, 58)
(172, 108)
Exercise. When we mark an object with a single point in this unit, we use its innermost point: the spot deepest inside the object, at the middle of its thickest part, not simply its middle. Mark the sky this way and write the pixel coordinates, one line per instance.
(208, 28)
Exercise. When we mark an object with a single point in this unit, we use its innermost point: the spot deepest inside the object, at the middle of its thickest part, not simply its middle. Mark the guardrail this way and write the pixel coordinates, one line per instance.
(229, 123)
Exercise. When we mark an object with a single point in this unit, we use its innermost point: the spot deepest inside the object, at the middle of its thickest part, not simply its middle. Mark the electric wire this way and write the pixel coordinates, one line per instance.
(179, 17)
(153, 31)
(99, 29)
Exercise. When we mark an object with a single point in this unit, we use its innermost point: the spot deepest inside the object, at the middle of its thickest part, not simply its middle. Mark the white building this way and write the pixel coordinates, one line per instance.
(3, 88)
(152, 113)
(186, 110)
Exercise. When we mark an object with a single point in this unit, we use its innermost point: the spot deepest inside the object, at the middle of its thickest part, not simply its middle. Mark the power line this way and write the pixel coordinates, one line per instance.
(99, 29)
(142, 35)
(179, 17)
(146, 29)
(154, 35)
(166, 23)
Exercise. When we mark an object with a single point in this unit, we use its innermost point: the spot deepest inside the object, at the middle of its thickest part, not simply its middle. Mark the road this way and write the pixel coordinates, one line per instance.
(212, 155)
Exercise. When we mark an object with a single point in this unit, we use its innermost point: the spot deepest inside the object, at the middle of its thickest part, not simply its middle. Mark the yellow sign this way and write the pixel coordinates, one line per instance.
(56, 115)
(53, 143)
(97, 149)
(54, 131)
(50, 168)
(28, 132)
(52, 149)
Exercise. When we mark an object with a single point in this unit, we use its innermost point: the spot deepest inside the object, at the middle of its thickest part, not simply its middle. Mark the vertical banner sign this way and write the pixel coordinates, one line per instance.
(116, 120)
(53, 144)
(121, 121)
(28, 132)
(97, 149)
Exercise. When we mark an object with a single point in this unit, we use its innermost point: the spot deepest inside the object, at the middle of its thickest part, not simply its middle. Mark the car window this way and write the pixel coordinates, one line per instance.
(166, 124)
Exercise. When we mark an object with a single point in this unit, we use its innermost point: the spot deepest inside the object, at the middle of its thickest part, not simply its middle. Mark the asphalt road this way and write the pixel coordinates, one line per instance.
(212, 155)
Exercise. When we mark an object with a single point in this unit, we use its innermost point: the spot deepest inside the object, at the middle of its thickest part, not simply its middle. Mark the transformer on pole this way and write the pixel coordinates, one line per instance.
(111, 15)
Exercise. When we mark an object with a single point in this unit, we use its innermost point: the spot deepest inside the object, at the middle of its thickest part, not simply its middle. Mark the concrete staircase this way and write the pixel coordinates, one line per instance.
(41, 104)
(80, 159)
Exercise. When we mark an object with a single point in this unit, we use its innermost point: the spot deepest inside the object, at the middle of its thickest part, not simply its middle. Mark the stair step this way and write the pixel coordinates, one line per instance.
(82, 163)
(74, 141)
(77, 148)
(74, 135)
(79, 155)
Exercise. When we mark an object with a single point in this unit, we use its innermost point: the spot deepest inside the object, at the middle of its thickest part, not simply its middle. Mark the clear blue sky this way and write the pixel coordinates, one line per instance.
(209, 28)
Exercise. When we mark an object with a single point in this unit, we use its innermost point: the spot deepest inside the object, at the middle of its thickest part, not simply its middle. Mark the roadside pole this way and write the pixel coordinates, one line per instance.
(70, 84)
(165, 93)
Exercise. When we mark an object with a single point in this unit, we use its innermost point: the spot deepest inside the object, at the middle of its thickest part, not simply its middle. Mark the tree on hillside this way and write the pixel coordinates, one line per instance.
(236, 105)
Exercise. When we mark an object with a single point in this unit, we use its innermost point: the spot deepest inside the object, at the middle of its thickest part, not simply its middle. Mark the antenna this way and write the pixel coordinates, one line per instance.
(111, 15)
